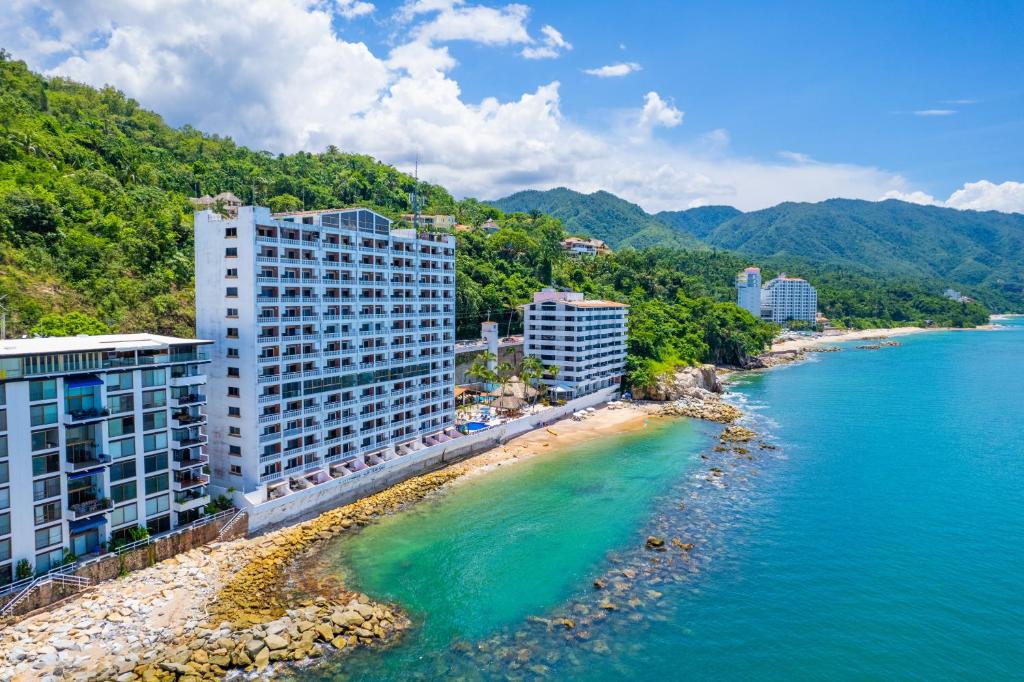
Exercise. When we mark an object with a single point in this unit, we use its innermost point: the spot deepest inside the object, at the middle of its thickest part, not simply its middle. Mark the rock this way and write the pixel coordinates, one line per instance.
(347, 619)
(654, 542)
(275, 642)
(684, 381)
(253, 647)
(325, 631)
(599, 584)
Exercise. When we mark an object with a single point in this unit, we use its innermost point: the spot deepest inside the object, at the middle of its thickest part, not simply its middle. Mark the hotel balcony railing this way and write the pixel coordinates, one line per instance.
(189, 461)
(190, 399)
(91, 414)
(90, 460)
(90, 508)
(187, 418)
(185, 482)
(192, 495)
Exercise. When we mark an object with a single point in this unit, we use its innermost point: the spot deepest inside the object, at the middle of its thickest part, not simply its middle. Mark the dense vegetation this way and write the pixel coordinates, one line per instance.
(979, 253)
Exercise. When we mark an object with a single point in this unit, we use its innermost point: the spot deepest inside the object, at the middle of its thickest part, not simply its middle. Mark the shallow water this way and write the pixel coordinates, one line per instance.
(880, 541)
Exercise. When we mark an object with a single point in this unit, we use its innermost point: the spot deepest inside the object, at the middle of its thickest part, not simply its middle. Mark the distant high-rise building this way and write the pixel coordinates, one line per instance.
(748, 291)
(784, 299)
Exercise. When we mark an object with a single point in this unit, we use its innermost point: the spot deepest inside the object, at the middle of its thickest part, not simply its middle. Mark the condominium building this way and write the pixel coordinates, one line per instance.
(784, 299)
(333, 343)
(98, 435)
(748, 291)
(577, 246)
(439, 222)
(585, 340)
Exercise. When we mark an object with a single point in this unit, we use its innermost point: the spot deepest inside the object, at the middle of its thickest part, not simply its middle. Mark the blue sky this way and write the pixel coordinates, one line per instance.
(744, 103)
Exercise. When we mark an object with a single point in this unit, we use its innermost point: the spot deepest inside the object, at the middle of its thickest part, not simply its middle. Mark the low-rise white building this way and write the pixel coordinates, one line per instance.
(445, 222)
(579, 246)
(585, 340)
(334, 341)
(98, 435)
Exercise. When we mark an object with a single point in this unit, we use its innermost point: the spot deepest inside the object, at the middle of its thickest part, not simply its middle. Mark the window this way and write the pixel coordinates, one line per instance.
(156, 462)
(5, 554)
(45, 440)
(234, 412)
(5, 473)
(161, 524)
(231, 292)
(3, 445)
(121, 381)
(232, 312)
(51, 559)
(235, 470)
(157, 505)
(122, 448)
(47, 512)
(5, 498)
(120, 403)
(231, 252)
(47, 487)
(156, 484)
(232, 332)
(154, 420)
(231, 273)
(151, 399)
(43, 414)
(122, 470)
(125, 514)
(233, 392)
(230, 232)
(234, 372)
(235, 431)
(42, 389)
(232, 352)
(122, 492)
(120, 426)
(5, 524)
(235, 450)
(45, 464)
(152, 377)
(154, 441)
(48, 536)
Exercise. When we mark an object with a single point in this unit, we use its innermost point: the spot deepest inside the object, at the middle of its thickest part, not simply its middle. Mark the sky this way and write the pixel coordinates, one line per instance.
(667, 104)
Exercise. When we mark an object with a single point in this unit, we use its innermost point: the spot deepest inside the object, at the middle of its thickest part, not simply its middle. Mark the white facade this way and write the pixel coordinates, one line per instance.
(748, 291)
(441, 222)
(585, 340)
(98, 435)
(333, 343)
(789, 298)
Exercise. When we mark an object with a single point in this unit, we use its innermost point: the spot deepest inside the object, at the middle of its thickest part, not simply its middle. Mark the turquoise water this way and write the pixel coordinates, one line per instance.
(882, 540)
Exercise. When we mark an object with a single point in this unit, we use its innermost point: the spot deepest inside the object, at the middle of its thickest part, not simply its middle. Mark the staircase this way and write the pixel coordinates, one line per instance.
(63, 579)
(231, 522)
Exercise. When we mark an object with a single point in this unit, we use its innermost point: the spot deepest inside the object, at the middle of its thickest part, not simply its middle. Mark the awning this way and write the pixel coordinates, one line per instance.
(87, 524)
(82, 381)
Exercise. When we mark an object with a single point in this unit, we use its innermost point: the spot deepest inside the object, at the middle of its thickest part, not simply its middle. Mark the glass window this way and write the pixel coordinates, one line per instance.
(125, 514)
(156, 484)
(5, 523)
(45, 440)
(5, 550)
(154, 398)
(122, 470)
(157, 505)
(121, 381)
(154, 420)
(154, 441)
(45, 464)
(47, 512)
(3, 446)
(5, 472)
(153, 377)
(43, 414)
(156, 462)
(42, 389)
(121, 403)
(48, 536)
(51, 559)
(5, 498)
(122, 492)
(120, 426)
(122, 448)
(46, 487)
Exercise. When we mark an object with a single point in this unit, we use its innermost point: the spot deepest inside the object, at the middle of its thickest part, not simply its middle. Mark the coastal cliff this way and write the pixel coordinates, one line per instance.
(687, 382)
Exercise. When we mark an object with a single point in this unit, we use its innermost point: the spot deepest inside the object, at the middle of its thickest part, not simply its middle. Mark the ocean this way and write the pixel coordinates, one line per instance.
(872, 530)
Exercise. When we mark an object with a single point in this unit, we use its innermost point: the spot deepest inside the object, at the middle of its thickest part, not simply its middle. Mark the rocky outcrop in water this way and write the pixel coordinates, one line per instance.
(683, 383)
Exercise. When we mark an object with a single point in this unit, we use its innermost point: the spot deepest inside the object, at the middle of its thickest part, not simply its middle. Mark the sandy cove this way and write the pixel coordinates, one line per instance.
(860, 335)
(220, 607)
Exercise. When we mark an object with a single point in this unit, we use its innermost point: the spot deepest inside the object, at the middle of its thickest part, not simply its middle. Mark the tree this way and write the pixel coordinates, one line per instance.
(69, 324)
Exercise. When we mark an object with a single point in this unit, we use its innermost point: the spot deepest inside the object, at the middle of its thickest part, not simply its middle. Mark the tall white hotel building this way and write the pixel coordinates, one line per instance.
(98, 435)
(334, 341)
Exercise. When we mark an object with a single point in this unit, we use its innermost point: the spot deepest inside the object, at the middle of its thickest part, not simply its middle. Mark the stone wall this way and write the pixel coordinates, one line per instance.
(110, 566)
(304, 504)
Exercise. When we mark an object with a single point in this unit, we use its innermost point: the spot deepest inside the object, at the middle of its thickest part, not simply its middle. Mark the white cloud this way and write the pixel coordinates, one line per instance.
(982, 195)
(613, 70)
(350, 9)
(552, 45)
(275, 74)
(934, 112)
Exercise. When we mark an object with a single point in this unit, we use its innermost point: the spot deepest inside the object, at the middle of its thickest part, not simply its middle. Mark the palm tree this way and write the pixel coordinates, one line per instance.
(531, 369)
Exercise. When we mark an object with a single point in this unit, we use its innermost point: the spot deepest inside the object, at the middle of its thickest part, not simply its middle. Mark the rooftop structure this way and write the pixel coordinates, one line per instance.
(584, 339)
(106, 433)
(227, 200)
(333, 343)
(440, 222)
(585, 247)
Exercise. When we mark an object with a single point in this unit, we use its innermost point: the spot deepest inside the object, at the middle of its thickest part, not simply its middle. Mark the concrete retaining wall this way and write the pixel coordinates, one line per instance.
(307, 503)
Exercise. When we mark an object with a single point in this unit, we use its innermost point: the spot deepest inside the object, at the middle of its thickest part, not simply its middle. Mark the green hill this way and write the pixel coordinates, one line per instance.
(698, 221)
(600, 215)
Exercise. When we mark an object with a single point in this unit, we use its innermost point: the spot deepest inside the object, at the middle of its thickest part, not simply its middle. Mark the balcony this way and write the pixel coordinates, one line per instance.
(191, 499)
(184, 481)
(82, 510)
(188, 459)
(86, 415)
(187, 440)
(189, 418)
(186, 378)
(190, 399)
(81, 459)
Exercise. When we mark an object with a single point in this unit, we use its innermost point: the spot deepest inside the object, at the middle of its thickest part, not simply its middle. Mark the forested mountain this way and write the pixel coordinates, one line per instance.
(600, 215)
(981, 253)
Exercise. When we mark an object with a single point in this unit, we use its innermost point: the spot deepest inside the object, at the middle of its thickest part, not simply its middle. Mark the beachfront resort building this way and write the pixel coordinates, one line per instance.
(584, 339)
(333, 348)
(98, 435)
(782, 299)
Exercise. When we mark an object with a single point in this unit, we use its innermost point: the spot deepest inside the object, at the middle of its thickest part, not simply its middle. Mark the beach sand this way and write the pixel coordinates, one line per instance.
(859, 335)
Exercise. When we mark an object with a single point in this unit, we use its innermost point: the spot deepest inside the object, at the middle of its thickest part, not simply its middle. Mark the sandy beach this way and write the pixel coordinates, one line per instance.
(859, 335)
